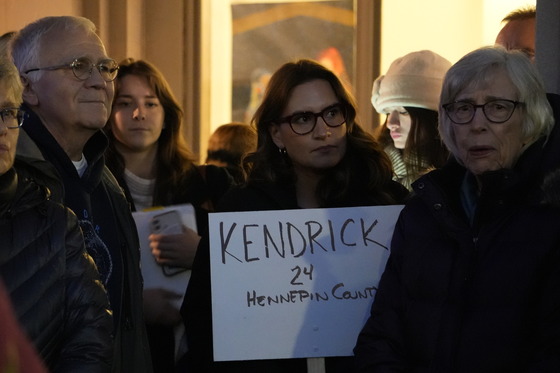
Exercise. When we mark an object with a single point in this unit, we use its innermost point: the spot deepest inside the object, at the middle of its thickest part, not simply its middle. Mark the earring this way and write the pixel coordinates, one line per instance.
(282, 151)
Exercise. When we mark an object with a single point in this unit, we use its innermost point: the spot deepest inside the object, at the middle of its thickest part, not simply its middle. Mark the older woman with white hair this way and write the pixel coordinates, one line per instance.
(472, 281)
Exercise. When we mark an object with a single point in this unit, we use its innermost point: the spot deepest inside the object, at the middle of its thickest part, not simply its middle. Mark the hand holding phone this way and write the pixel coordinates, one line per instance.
(168, 223)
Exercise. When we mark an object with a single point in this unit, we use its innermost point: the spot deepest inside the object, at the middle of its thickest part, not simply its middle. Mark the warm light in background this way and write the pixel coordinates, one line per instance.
(450, 28)
(496, 10)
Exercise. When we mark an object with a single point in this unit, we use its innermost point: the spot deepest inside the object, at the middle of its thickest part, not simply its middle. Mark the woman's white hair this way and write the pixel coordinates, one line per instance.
(477, 68)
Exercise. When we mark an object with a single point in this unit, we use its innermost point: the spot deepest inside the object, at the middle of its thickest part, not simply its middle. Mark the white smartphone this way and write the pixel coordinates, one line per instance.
(166, 223)
(169, 222)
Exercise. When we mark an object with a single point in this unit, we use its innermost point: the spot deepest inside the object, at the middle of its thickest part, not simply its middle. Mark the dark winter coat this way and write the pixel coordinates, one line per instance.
(202, 188)
(101, 206)
(53, 283)
(461, 297)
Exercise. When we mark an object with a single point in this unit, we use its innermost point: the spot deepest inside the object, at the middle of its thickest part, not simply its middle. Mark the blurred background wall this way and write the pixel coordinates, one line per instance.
(191, 41)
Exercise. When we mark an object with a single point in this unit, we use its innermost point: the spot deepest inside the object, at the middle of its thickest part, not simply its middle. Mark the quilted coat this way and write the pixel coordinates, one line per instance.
(53, 282)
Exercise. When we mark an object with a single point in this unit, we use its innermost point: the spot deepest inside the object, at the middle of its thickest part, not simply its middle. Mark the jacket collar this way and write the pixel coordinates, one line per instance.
(37, 142)
(520, 183)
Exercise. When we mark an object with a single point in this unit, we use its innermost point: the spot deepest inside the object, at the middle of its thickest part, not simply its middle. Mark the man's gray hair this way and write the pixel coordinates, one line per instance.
(26, 44)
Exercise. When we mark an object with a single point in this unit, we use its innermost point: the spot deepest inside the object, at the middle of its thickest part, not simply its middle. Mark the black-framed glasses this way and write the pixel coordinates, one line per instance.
(305, 122)
(82, 68)
(12, 117)
(496, 111)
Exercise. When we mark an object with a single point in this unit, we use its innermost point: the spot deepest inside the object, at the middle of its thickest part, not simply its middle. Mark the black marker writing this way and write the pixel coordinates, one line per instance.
(337, 293)
(253, 242)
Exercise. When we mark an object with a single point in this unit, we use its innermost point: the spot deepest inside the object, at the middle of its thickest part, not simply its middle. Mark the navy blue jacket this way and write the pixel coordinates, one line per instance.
(466, 297)
(108, 227)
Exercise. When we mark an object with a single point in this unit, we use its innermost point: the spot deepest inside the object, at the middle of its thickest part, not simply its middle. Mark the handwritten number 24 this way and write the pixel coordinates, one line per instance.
(299, 271)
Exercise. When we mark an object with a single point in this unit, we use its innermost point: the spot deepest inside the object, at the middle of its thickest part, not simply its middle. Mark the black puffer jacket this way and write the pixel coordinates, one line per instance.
(53, 282)
(461, 297)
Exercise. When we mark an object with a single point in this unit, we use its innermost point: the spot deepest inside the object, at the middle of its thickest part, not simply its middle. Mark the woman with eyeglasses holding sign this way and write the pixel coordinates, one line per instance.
(472, 281)
(311, 153)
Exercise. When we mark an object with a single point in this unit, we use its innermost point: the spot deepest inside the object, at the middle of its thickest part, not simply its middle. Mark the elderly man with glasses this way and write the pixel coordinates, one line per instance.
(52, 282)
(68, 91)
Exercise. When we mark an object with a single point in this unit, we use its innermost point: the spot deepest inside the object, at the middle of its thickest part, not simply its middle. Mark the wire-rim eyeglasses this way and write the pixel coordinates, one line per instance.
(83, 67)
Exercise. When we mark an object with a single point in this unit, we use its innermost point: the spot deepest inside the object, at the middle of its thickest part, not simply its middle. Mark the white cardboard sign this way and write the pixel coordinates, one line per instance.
(295, 283)
(153, 273)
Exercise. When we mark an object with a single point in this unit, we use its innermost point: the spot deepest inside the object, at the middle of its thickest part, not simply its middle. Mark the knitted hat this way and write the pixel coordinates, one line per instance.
(412, 80)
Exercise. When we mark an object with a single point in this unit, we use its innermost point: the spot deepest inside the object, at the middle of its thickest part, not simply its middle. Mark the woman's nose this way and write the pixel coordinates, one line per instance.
(393, 119)
(479, 122)
(138, 114)
(321, 130)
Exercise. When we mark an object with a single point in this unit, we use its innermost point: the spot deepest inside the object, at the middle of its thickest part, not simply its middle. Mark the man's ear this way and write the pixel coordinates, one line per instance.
(29, 95)
(274, 131)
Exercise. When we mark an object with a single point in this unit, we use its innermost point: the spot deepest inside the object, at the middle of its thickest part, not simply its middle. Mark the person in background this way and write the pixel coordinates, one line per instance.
(227, 146)
(148, 155)
(409, 95)
(311, 153)
(519, 31)
(68, 90)
(472, 278)
(52, 282)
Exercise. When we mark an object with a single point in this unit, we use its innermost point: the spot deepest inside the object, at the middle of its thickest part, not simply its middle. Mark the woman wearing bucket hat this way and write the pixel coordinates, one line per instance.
(409, 95)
